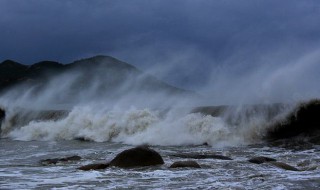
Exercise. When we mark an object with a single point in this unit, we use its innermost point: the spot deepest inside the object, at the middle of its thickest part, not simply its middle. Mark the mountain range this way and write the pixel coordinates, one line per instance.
(90, 79)
(90, 70)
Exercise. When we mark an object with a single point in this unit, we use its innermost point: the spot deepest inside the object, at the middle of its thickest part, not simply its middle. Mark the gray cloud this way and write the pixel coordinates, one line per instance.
(182, 41)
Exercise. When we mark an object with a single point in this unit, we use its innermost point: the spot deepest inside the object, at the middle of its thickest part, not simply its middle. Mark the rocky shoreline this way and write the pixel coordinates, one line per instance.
(145, 157)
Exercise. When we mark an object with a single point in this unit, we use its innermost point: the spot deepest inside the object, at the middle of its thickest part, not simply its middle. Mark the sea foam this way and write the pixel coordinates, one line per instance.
(133, 126)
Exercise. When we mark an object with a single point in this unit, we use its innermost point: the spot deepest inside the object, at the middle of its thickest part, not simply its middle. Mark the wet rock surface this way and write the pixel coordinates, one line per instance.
(88, 167)
(283, 166)
(53, 161)
(184, 164)
(137, 157)
(304, 120)
(261, 159)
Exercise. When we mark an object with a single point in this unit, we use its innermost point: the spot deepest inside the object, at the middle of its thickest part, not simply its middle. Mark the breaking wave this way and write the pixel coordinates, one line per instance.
(226, 126)
(134, 126)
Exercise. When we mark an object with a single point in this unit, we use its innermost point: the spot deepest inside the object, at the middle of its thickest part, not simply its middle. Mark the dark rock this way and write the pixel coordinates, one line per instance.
(2, 114)
(49, 161)
(189, 164)
(83, 139)
(58, 160)
(303, 120)
(2, 117)
(202, 156)
(261, 159)
(256, 176)
(315, 139)
(135, 157)
(94, 167)
(71, 158)
(284, 166)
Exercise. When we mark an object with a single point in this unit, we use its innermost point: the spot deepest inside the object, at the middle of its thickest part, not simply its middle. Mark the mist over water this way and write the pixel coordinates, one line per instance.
(104, 105)
(269, 80)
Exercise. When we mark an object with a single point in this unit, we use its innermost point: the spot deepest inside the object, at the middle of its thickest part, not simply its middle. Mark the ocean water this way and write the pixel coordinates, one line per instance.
(20, 168)
(26, 141)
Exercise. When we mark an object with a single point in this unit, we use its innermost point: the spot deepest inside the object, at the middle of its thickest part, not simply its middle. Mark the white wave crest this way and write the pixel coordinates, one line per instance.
(133, 126)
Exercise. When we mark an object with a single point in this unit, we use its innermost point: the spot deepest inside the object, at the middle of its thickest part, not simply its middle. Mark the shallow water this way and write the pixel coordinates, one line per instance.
(20, 168)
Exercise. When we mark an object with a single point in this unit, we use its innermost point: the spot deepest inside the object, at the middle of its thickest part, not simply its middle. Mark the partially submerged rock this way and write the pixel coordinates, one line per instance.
(283, 166)
(261, 159)
(59, 160)
(272, 161)
(134, 157)
(137, 157)
(183, 164)
(83, 139)
(88, 167)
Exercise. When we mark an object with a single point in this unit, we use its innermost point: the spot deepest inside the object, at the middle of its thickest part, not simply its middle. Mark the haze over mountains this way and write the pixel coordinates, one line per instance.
(99, 77)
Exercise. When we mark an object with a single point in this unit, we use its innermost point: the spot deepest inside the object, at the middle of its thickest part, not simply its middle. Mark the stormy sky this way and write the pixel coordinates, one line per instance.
(188, 43)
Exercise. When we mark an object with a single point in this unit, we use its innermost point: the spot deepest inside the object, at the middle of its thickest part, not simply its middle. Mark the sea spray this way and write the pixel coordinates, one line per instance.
(140, 126)
(216, 126)
(87, 123)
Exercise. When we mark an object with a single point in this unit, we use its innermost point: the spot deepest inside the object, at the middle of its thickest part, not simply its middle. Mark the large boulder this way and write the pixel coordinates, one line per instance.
(137, 157)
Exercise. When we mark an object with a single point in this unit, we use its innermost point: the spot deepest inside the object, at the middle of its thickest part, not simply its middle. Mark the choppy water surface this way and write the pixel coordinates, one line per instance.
(20, 168)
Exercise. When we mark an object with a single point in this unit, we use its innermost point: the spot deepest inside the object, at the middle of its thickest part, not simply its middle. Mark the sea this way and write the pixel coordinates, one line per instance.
(98, 135)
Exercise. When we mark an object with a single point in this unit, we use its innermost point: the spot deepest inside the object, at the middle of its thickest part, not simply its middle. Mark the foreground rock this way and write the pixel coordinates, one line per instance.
(261, 159)
(134, 157)
(137, 157)
(184, 164)
(202, 156)
(59, 160)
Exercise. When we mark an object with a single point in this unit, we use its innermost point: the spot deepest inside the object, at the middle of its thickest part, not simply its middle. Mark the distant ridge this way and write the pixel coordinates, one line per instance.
(111, 71)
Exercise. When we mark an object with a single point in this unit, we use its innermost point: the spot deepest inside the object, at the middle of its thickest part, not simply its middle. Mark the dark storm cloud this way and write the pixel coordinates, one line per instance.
(186, 38)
